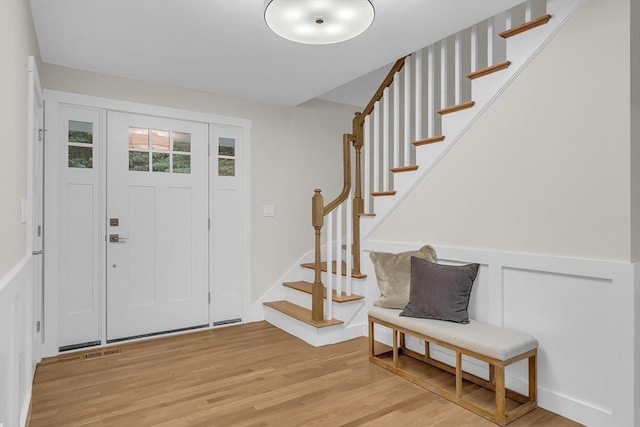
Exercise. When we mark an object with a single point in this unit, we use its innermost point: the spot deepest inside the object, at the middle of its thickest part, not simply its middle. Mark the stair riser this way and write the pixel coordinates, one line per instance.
(357, 285)
(314, 336)
(343, 311)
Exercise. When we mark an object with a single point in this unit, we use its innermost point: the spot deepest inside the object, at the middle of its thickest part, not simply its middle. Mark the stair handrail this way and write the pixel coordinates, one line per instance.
(318, 212)
(357, 125)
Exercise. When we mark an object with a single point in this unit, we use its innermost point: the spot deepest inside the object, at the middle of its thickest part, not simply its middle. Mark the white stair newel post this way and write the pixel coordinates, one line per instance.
(406, 73)
(329, 276)
(367, 148)
(431, 91)
(418, 96)
(349, 239)
(339, 235)
(396, 121)
(376, 147)
(385, 140)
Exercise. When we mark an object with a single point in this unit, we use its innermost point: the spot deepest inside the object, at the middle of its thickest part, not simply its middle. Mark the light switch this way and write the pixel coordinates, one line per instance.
(267, 210)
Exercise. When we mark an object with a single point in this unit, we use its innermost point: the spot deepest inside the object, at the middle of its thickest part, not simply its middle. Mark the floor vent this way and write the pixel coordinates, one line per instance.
(98, 354)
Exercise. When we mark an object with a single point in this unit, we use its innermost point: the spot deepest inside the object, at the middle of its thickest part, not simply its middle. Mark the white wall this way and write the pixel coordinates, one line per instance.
(17, 43)
(293, 151)
(546, 169)
(634, 18)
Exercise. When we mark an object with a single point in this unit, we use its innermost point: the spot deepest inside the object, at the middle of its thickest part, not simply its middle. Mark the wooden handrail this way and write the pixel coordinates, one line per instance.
(378, 95)
(346, 183)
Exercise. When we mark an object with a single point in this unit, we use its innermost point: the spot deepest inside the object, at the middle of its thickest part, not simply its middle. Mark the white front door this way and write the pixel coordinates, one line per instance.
(157, 225)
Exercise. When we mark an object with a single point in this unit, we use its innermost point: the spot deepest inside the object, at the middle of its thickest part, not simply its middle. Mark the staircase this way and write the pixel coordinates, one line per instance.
(425, 104)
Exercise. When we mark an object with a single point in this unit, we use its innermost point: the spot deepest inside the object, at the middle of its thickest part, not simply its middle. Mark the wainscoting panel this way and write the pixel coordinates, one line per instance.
(584, 313)
(16, 345)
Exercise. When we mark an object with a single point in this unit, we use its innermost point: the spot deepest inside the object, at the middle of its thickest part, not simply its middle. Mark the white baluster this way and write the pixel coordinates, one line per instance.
(329, 276)
(474, 48)
(418, 95)
(490, 41)
(396, 121)
(339, 269)
(431, 91)
(349, 239)
(367, 148)
(443, 74)
(528, 11)
(457, 68)
(376, 147)
(407, 107)
(385, 140)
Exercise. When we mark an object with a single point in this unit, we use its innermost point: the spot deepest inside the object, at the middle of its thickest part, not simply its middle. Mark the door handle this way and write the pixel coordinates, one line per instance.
(115, 238)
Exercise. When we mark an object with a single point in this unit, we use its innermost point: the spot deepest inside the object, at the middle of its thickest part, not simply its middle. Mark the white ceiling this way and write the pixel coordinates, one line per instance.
(224, 46)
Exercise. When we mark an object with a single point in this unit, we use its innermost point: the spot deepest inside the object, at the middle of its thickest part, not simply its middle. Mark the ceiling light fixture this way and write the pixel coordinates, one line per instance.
(318, 21)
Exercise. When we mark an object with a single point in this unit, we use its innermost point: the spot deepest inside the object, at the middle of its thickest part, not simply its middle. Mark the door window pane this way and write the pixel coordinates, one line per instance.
(80, 132)
(80, 157)
(160, 162)
(226, 147)
(160, 140)
(181, 142)
(181, 163)
(139, 138)
(138, 161)
(226, 167)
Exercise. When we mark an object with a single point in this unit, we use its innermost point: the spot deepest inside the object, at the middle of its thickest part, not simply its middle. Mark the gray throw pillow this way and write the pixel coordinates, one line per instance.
(440, 291)
(393, 272)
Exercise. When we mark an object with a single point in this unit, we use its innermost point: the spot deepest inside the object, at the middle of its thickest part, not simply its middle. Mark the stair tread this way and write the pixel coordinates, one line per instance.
(430, 140)
(306, 287)
(409, 168)
(300, 313)
(526, 26)
(489, 70)
(367, 214)
(457, 107)
(383, 193)
(323, 266)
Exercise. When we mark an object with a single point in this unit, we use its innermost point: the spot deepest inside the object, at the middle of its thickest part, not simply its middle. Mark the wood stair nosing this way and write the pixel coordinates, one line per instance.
(370, 214)
(489, 70)
(323, 267)
(410, 168)
(456, 108)
(534, 23)
(430, 140)
(300, 313)
(383, 193)
(306, 287)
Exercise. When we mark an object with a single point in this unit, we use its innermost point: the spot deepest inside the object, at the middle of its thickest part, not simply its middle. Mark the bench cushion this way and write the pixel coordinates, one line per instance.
(482, 338)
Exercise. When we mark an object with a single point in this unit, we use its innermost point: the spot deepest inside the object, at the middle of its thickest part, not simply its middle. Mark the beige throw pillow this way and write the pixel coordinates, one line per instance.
(393, 272)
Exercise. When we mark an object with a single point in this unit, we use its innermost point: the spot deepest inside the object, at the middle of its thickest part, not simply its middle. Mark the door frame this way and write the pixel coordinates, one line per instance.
(54, 100)
(35, 102)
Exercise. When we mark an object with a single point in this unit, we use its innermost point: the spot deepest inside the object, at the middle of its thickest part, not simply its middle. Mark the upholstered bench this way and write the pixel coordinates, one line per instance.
(496, 346)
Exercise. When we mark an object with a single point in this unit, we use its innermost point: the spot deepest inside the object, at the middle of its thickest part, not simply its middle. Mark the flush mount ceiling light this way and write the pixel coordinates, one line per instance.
(318, 21)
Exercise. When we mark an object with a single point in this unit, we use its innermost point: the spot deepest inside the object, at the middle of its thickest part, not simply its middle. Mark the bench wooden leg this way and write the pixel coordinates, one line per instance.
(458, 374)
(500, 395)
(533, 382)
(371, 338)
(395, 348)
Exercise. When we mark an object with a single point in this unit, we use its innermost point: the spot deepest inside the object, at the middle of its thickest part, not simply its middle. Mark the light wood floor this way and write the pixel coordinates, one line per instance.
(249, 375)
